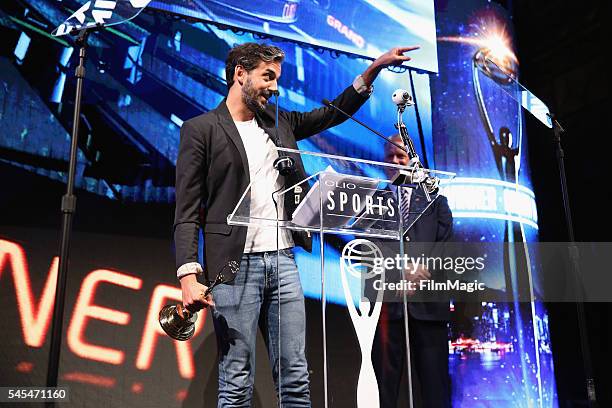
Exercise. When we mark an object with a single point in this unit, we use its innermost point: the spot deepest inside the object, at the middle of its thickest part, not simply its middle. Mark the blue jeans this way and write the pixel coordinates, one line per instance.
(252, 300)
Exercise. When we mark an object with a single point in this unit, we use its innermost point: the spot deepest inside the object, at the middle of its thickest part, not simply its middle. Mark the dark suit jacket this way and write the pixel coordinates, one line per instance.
(432, 228)
(212, 173)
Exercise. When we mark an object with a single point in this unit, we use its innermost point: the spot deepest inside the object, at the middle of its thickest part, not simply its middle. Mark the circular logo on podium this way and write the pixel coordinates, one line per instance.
(359, 257)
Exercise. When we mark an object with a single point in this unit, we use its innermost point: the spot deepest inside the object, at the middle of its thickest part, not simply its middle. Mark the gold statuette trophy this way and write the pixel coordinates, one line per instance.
(178, 322)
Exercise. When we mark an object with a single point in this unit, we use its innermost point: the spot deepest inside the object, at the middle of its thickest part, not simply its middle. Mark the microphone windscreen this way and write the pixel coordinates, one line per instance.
(326, 102)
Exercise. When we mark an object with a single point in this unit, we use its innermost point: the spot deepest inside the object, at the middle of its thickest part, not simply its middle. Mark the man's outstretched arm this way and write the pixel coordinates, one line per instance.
(393, 57)
(305, 124)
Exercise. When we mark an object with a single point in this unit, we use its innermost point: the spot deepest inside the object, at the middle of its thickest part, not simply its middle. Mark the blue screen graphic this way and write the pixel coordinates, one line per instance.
(146, 77)
(363, 27)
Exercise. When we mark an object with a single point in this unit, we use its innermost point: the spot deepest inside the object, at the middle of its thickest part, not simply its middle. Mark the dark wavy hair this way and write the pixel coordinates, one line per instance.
(249, 56)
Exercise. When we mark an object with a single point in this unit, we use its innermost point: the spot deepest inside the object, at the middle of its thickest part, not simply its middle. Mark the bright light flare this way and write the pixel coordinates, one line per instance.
(494, 42)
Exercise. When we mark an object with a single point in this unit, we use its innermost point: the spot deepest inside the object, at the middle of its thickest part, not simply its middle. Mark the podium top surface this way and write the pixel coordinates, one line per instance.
(343, 195)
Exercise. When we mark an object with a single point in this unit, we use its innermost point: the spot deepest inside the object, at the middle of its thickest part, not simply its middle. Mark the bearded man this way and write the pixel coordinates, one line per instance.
(220, 153)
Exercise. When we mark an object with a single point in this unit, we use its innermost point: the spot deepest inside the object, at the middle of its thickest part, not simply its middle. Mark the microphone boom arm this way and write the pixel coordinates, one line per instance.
(330, 104)
(417, 175)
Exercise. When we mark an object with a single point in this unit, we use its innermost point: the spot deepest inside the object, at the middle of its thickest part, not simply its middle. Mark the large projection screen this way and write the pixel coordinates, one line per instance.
(366, 28)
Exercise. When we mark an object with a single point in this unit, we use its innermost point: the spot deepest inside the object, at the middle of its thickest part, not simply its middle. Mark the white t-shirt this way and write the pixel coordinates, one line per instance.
(265, 238)
(261, 155)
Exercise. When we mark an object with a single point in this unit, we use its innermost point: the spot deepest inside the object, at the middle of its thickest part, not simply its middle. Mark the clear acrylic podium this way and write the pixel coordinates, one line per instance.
(354, 201)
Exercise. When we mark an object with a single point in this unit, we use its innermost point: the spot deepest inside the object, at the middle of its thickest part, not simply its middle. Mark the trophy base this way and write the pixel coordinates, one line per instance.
(176, 323)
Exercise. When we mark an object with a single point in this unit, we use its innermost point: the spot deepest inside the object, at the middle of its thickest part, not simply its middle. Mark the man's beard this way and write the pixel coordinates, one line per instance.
(250, 97)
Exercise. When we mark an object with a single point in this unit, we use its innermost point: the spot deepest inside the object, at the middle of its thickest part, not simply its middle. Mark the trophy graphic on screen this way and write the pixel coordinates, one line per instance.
(507, 156)
(501, 69)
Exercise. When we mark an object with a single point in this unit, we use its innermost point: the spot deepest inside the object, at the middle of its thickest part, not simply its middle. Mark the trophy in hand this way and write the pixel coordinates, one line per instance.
(178, 322)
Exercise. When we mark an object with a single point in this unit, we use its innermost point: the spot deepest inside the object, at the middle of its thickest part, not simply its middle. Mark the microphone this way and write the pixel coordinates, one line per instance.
(283, 163)
(327, 102)
(402, 98)
(274, 92)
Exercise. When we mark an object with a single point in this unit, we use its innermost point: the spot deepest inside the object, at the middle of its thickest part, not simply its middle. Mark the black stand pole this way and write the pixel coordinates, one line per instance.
(68, 207)
(575, 268)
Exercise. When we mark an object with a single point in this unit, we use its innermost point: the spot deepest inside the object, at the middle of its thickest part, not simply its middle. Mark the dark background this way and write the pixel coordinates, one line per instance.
(561, 48)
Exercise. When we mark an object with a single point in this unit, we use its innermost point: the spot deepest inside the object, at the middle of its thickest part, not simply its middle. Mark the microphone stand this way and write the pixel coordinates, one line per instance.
(68, 207)
(413, 157)
(574, 256)
(285, 164)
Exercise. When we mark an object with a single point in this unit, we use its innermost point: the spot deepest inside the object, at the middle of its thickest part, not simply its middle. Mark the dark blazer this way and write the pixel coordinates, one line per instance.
(432, 228)
(212, 173)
